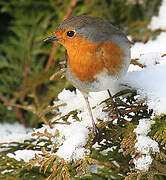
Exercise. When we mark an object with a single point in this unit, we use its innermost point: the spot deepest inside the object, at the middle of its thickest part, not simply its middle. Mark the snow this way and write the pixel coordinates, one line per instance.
(25, 155)
(143, 162)
(76, 101)
(143, 127)
(13, 132)
(150, 85)
(73, 137)
(144, 144)
(6, 171)
(105, 151)
(150, 81)
(152, 46)
(76, 136)
(158, 22)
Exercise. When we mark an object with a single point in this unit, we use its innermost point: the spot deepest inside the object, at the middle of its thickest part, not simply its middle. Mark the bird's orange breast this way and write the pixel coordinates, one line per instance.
(83, 62)
(86, 59)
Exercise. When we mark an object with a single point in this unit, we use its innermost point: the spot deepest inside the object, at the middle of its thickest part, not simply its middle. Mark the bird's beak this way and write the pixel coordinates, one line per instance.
(52, 38)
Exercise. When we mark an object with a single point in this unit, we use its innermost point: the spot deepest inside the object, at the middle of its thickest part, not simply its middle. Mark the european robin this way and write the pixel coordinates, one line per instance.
(98, 56)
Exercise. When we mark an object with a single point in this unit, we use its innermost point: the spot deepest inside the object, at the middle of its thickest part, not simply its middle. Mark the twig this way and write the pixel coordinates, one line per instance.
(135, 62)
(19, 115)
(70, 8)
(57, 73)
(50, 59)
(3, 99)
(17, 111)
(27, 67)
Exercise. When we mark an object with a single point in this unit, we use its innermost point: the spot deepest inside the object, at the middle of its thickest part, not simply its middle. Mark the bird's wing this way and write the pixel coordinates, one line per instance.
(111, 56)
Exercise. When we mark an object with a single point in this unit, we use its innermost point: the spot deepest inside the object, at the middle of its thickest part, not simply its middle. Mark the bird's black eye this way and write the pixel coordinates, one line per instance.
(70, 33)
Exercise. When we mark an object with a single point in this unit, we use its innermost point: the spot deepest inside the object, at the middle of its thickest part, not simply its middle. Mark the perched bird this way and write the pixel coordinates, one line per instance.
(98, 56)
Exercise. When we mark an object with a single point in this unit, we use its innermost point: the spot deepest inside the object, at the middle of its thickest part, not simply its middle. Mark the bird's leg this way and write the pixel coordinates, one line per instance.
(118, 112)
(95, 128)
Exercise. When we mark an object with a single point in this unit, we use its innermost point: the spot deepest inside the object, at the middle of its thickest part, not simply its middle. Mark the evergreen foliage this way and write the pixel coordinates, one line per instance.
(26, 91)
(25, 59)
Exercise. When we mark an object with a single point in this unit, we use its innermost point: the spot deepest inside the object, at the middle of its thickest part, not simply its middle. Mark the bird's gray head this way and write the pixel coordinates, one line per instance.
(93, 29)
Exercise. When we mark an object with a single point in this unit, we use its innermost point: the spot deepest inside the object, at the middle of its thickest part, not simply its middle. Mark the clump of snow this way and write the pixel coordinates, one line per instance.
(72, 147)
(143, 127)
(143, 162)
(158, 22)
(144, 144)
(13, 133)
(105, 151)
(150, 84)
(7, 171)
(24, 154)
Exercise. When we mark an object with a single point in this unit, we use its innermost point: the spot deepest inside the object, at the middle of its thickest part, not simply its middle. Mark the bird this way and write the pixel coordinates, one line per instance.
(98, 56)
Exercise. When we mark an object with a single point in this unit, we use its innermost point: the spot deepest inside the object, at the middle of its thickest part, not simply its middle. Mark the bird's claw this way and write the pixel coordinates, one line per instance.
(119, 112)
(97, 134)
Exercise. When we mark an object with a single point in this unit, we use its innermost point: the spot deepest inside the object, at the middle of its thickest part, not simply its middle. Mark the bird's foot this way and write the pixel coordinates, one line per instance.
(97, 134)
(114, 107)
(119, 112)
